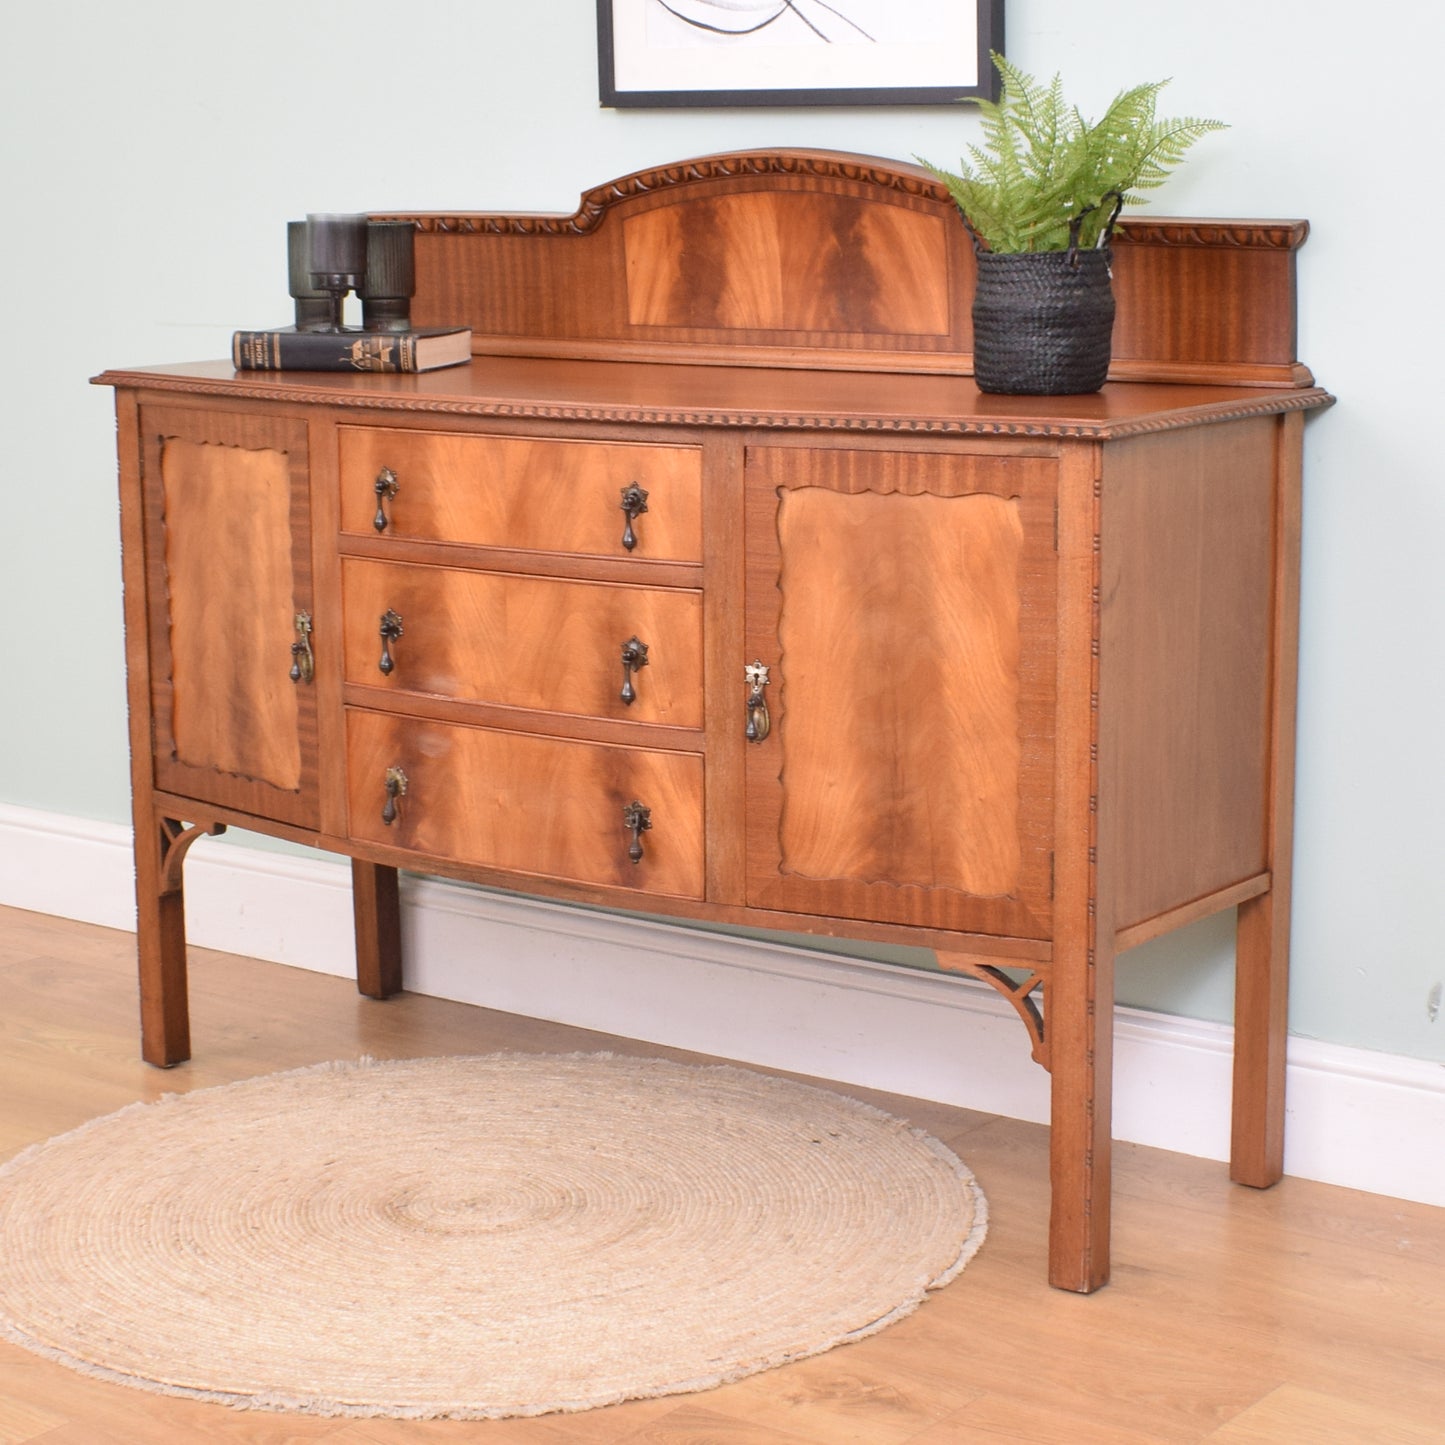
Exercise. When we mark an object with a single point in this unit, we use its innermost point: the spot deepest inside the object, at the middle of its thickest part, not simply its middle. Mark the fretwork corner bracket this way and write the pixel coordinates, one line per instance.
(175, 842)
(1024, 995)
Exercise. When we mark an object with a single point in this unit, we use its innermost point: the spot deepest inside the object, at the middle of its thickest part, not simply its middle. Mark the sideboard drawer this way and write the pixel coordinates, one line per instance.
(550, 807)
(524, 493)
(529, 642)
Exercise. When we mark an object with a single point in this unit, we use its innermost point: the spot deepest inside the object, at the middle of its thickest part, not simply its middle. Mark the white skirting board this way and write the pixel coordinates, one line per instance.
(1355, 1118)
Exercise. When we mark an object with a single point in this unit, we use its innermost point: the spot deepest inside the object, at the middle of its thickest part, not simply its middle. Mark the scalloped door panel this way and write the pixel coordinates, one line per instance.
(905, 602)
(229, 553)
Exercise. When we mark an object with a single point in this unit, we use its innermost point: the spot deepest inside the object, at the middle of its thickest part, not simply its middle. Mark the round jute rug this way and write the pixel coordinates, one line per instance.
(474, 1237)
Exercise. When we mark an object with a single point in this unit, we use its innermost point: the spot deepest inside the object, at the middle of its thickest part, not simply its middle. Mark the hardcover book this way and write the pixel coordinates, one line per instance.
(287, 349)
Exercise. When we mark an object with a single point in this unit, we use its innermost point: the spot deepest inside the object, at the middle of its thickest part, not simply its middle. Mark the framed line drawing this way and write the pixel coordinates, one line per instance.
(659, 53)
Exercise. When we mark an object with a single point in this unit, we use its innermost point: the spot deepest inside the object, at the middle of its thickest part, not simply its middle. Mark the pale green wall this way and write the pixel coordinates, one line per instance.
(153, 151)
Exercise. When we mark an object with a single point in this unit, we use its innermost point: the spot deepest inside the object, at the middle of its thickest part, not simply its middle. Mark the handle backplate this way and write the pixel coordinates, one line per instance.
(634, 656)
(637, 820)
(634, 504)
(303, 660)
(390, 630)
(386, 487)
(755, 674)
(395, 790)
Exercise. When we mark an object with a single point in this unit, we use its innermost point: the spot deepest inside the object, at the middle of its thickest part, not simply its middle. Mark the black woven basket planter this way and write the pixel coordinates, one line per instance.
(1043, 321)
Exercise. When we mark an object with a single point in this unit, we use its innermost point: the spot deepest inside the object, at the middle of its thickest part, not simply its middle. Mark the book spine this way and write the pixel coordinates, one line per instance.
(322, 351)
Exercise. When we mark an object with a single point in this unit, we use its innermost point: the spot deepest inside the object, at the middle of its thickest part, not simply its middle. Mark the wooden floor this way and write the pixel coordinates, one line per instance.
(1304, 1314)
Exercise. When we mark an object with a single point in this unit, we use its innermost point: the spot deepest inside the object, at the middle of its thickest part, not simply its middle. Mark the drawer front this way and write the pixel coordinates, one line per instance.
(549, 807)
(523, 641)
(524, 493)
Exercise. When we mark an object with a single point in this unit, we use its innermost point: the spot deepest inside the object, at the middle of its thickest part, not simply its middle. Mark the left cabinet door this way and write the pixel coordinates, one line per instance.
(227, 529)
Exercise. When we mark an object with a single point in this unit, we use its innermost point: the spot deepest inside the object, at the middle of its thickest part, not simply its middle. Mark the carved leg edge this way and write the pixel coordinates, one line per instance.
(1080, 1123)
(1080, 1175)
(1079, 1142)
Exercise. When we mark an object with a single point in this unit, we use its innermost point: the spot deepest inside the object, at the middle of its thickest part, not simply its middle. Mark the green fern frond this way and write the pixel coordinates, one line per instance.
(1170, 140)
(1042, 163)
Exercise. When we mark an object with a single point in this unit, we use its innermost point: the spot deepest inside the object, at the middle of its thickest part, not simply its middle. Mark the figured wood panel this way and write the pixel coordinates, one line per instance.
(548, 807)
(905, 602)
(1186, 642)
(229, 608)
(526, 642)
(899, 639)
(228, 557)
(788, 262)
(525, 493)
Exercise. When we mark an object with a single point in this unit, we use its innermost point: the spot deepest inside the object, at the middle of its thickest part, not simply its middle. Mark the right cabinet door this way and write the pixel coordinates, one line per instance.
(903, 603)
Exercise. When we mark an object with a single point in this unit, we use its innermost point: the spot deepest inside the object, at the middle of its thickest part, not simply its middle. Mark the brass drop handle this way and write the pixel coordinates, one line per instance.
(390, 630)
(637, 820)
(756, 677)
(634, 656)
(303, 660)
(395, 789)
(386, 486)
(634, 504)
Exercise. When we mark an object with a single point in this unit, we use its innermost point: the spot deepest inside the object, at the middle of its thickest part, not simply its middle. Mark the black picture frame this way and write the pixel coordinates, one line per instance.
(631, 75)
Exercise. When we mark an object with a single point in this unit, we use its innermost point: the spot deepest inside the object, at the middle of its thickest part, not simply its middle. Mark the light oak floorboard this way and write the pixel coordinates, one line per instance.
(1289, 1413)
(1301, 1313)
(20, 1421)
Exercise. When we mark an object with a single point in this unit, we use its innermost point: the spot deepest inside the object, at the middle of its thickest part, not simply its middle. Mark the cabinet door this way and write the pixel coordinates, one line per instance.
(228, 574)
(904, 604)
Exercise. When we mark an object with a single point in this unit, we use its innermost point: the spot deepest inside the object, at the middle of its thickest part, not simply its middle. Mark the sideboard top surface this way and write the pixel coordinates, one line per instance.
(653, 394)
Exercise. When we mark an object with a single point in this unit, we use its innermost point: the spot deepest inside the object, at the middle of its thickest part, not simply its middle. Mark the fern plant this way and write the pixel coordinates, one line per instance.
(1043, 164)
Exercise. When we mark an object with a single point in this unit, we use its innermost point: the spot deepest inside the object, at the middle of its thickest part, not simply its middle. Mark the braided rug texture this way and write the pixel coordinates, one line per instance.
(474, 1237)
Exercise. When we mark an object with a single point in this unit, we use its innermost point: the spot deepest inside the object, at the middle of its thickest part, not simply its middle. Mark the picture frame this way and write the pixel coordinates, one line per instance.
(720, 53)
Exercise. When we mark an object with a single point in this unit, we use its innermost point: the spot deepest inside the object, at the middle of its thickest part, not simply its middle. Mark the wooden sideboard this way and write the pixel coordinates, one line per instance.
(714, 587)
